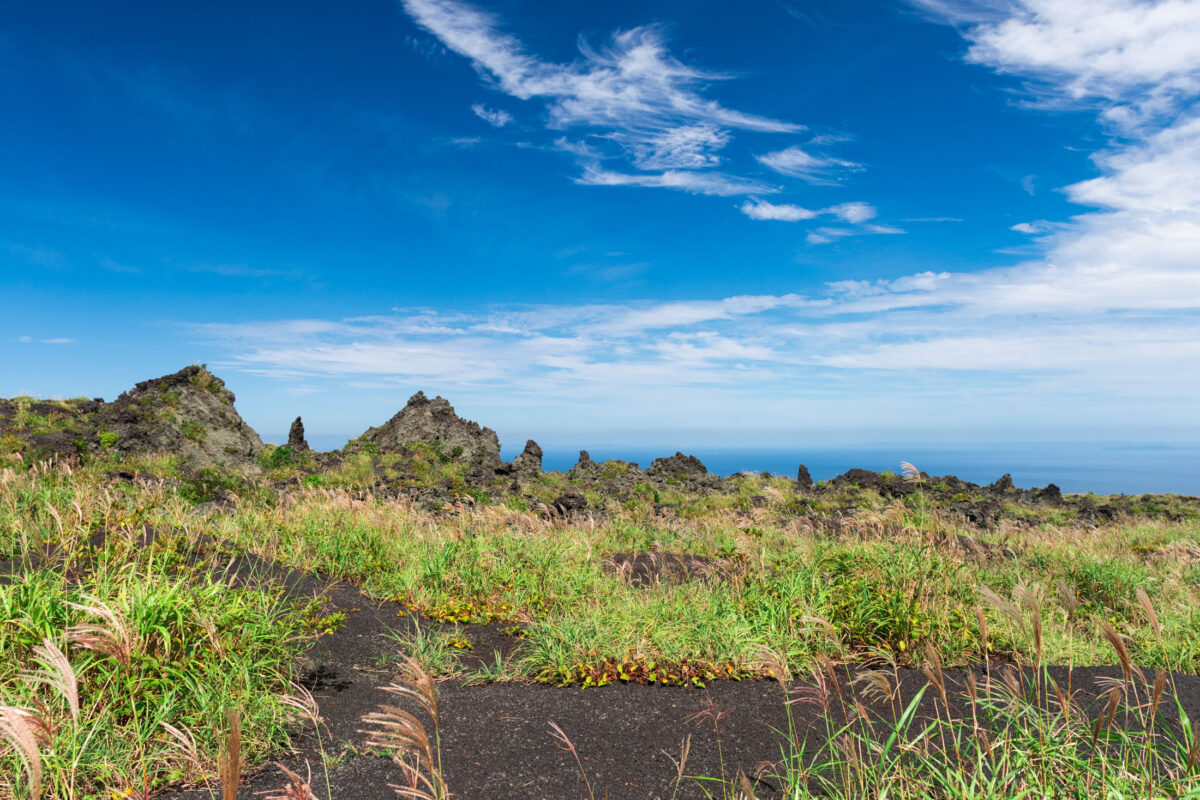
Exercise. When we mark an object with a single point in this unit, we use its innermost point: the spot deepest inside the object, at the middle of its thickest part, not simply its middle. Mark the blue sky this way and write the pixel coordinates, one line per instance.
(758, 223)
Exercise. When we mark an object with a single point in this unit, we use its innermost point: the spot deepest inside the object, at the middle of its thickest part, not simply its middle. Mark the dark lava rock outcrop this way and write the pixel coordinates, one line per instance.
(434, 423)
(1003, 485)
(189, 413)
(529, 463)
(585, 469)
(569, 502)
(804, 480)
(886, 485)
(1049, 494)
(296, 441)
(677, 467)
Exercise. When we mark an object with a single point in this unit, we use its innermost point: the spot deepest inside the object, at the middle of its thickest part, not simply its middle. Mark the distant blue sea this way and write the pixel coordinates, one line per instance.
(1117, 468)
(1103, 468)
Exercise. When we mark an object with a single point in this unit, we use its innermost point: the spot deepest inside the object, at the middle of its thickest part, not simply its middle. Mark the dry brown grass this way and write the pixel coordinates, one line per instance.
(401, 734)
(23, 731)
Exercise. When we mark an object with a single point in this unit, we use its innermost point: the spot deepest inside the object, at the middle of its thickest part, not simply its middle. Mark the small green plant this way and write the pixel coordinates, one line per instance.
(107, 439)
(193, 431)
(278, 457)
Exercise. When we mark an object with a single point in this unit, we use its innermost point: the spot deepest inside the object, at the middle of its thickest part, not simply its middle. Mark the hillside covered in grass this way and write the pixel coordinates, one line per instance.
(159, 587)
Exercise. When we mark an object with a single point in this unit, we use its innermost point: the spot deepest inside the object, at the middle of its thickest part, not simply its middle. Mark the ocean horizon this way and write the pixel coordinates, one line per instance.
(1075, 467)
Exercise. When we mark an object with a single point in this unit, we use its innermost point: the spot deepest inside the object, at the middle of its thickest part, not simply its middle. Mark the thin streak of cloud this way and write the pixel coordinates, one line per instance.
(636, 101)
(495, 117)
(799, 163)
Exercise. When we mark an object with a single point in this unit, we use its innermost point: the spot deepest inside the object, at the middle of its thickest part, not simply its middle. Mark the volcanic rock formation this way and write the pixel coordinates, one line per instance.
(296, 440)
(189, 413)
(529, 463)
(433, 422)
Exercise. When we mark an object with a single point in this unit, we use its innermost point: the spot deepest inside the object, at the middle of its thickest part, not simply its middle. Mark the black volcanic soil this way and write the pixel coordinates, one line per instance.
(496, 740)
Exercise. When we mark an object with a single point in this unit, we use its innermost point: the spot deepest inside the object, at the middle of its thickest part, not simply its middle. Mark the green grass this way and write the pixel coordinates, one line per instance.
(151, 638)
(888, 590)
(887, 584)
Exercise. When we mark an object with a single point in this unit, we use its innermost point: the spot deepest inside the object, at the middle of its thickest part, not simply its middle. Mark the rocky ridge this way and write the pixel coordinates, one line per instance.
(427, 451)
(189, 413)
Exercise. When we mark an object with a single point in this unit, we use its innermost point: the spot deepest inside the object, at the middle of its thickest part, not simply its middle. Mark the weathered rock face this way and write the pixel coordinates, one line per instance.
(189, 413)
(886, 485)
(803, 479)
(569, 502)
(585, 469)
(1049, 494)
(529, 462)
(433, 422)
(677, 467)
(296, 440)
(1003, 484)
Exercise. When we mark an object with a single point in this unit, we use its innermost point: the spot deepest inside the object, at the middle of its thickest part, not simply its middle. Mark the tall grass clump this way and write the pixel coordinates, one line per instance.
(1013, 730)
(114, 652)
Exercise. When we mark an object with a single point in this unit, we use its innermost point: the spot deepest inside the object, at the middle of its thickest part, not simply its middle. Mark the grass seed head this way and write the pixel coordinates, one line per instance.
(875, 684)
(1002, 606)
(1160, 685)
(1118, 644)
(18, 729)
(1148, 607)
(185, 743)
(1067, 599)
(57, 673)
(112, 638)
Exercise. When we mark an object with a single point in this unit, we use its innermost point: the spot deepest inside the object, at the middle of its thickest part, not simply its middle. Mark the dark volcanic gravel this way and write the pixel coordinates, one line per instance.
(497, 743)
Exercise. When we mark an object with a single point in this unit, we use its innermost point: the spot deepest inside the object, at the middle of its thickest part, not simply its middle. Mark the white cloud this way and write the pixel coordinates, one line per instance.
(799, 163)
(853, 212)
(631, 94)
(54, 340)
(710, 183)
(634, 80)
(1138, 59)
(495, 117)
(856, 214)
(884, 229)
(783, 212)
(684, 147)
(1104, 323)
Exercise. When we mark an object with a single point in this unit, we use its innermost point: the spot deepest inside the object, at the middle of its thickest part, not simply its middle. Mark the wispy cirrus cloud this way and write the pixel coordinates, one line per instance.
(800, 163)
(629, 100)
(1109, 308)
(496, 117)
(856, 214)
(52, 340)
(1134, 63)
(632, 81)
(826, 234)
(779, 212)
(710, 183)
